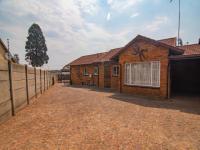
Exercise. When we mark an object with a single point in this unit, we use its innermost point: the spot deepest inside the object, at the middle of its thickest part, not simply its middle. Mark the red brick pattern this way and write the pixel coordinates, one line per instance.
(155, 53)
(78, 78)
(169, 41)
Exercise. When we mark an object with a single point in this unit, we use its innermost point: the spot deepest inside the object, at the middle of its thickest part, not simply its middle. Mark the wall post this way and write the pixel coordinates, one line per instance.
(11, 87)
(35, 76)
(27, 91)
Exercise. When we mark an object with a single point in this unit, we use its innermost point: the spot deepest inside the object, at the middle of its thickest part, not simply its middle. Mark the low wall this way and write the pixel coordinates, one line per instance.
(19, 84)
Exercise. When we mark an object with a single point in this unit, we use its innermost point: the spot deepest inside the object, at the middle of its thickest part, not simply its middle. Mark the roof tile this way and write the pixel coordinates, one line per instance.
(193, 49)
(95, 58)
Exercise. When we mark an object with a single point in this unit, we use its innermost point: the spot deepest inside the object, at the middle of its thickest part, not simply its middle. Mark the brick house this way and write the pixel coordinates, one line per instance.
(144, 66)
(94, 70)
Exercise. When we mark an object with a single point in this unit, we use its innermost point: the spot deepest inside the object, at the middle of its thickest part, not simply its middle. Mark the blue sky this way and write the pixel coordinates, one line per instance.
(73, 28)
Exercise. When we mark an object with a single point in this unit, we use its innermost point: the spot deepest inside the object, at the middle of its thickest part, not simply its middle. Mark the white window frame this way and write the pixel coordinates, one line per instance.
(115, 73)
(128, 77)
(85, 72)
(96, 70)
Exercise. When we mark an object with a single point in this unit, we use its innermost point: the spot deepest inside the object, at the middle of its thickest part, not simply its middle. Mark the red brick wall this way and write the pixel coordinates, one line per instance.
(155, 53)
(77, 77)
(115, 83)
(101, 75)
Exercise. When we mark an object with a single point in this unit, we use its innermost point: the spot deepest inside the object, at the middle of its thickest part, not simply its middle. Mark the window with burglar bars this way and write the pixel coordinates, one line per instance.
(143, 74)
(96, 70)
(115, 70)
(85, 72)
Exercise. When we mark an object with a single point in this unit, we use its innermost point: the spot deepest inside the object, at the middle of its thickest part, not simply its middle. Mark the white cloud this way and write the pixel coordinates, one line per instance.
(134, 15)
(108, 17)
(121, 5)
(71, 35)
(157, 23)
(88, 6)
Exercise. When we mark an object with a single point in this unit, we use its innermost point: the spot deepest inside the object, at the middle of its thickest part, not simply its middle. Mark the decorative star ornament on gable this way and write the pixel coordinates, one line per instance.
(138, 51)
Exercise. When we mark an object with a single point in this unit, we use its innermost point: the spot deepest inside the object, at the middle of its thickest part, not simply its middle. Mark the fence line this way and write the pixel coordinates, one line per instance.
(19, 84)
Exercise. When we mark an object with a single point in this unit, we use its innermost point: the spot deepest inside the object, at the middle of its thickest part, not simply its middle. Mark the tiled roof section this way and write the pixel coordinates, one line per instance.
(110, 54)
(169, 41)
(88, 59)
(193, 49)
(95, 58)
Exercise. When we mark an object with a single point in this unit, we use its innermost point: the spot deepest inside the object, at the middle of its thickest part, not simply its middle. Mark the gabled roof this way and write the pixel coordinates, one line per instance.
(193, 49)
(95, 58)
(169, 41)
(154, 42)
(110, 54)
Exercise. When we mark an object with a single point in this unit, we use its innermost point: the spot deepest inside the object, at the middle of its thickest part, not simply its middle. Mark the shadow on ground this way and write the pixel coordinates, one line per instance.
(187, 104)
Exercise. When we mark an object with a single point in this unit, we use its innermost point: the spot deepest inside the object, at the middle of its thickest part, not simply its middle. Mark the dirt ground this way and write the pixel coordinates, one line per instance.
(82, 118)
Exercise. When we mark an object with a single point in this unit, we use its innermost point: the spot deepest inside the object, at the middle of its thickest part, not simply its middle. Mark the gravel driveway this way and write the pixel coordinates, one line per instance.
(82, 118)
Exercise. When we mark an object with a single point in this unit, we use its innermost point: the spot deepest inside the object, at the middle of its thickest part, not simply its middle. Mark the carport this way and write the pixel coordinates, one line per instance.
(185, 75)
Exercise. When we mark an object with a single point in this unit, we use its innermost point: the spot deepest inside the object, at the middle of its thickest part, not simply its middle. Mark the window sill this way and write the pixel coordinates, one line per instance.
(95, 74)
(143, 86)
(86, 75)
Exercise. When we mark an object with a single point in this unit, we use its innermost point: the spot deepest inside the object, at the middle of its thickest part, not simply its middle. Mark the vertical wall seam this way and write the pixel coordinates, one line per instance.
(35, 75)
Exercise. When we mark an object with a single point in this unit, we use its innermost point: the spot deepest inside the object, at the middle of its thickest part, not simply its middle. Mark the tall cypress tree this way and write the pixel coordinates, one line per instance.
(36, 49)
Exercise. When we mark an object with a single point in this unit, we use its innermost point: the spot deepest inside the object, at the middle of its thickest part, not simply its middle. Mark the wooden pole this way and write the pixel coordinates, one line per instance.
(27, 91)
(11, 87)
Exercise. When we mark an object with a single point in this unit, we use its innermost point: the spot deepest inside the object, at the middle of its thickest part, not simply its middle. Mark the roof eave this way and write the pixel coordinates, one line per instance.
(182, 57)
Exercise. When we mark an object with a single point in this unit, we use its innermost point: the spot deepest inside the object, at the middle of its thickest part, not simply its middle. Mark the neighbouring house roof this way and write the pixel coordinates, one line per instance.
(152, 41)
(190, 52)
(87, 59)
(7, 51)
(95, 58)
(4, 46)
(169, 41)
(193, 49)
